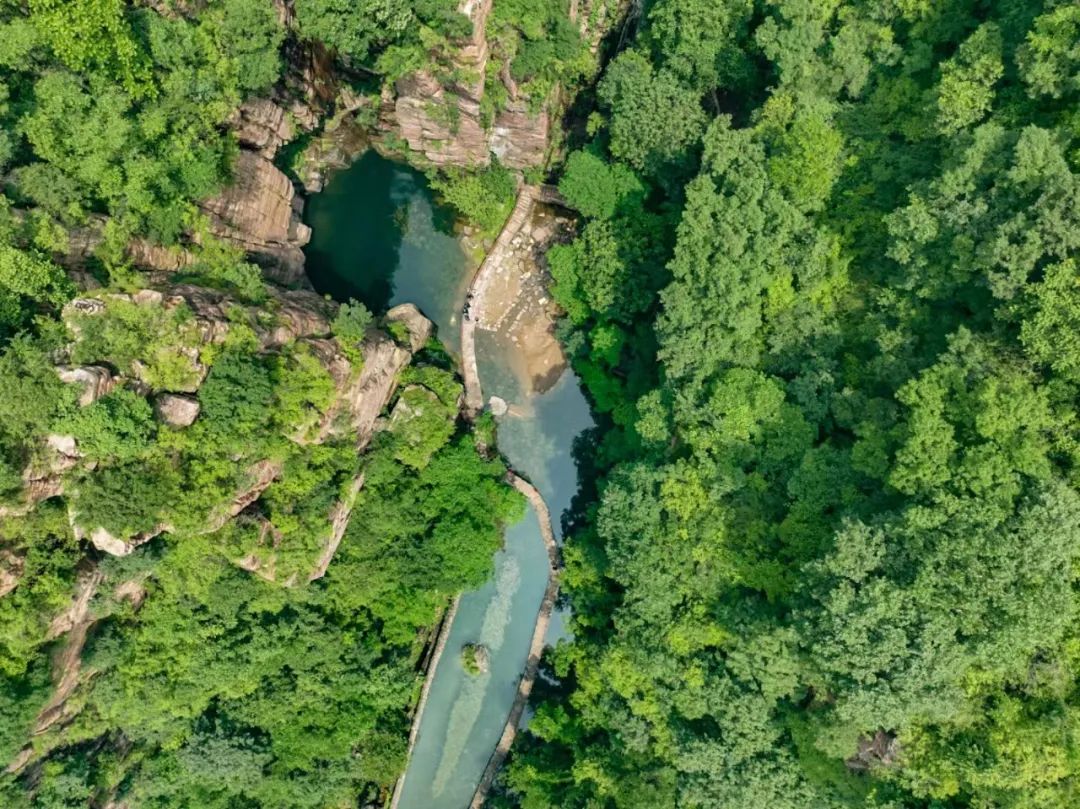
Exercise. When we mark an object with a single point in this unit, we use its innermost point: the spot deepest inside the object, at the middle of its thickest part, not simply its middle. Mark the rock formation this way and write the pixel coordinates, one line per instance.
(176, 409)
(11, 570)
(95, 380)
(260, 213)
(443, 121)
(263, 126)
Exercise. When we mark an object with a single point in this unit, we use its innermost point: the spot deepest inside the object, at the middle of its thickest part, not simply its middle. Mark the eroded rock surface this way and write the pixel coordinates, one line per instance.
(263, 126)
(260, 213)
(11, 570)
(95, 380)
(177, 409)
(443, 120)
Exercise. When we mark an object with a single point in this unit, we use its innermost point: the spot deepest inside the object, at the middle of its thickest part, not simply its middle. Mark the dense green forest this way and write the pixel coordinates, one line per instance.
(825, 300)
(826, 293)
(212, 673)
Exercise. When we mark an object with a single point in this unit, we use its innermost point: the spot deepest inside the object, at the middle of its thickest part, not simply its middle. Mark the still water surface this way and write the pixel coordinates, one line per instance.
(379, 237)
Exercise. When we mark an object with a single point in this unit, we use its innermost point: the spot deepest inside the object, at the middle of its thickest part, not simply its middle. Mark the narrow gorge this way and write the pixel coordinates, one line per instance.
(262, 428)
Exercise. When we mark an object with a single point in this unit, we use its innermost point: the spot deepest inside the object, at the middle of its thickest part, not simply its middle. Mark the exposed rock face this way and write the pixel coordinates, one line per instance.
(176, 409)
(260, 213)
(420, 328)
(67, 672)
(95, 380)
(105, 542)
(259, 477)
(297, 313)
(11, 569)
(159, 258)
(441, 123)
(519, 138)
(263, 126)
(342, 140)
(444, 123)
(339, 521)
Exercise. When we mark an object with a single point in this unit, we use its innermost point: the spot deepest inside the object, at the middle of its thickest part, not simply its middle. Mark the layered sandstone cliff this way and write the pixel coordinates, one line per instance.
(443, 120)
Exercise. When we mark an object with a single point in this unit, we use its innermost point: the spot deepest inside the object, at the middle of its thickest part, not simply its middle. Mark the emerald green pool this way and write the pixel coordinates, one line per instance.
(378, 236)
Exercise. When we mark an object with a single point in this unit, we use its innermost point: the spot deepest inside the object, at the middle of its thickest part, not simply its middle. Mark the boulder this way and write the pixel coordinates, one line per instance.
(105, 542)
(260, 213)
(419, 327)
(157, 258)
(262, 125)
(95, 380)
(475, 658)
(11, 569)
(176, 409)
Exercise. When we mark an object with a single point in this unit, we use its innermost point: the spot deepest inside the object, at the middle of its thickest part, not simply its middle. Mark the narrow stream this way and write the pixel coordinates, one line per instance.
(379, 237)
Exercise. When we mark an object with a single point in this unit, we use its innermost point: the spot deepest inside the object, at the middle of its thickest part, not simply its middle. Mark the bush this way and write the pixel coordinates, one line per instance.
(350, 325)
(484, 198)
(119, 425)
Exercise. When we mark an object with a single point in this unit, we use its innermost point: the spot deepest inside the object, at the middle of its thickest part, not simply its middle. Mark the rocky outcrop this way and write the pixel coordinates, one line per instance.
(44, 475)
(258, 478)
(442, 123)
(176, 409)
(11, 570)
(342, 139)
(363, 396)
(339, 521)
(106, 542)
(95, 380)
(263, 126)
(260, 213)
(296, 314)
(443, 120)
(67, 672)
(519, 138)
(158, 258)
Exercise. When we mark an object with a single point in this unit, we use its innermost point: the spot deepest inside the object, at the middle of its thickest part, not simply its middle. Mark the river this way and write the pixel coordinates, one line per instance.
(378, 236)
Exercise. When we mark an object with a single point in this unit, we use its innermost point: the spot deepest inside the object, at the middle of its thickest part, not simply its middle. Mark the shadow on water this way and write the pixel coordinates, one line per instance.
(378, 236)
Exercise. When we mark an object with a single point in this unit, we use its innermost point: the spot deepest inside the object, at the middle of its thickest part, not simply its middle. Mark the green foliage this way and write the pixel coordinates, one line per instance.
(832, 555)
(597, 188)
(126, 332)
(119, 425)
(127, 498)
(28, 278)
(250, 32)
(93, 34)
(350, 326)
(32, 398)
(393, 34)
(47, 555)
(655, 120)
(483, 197)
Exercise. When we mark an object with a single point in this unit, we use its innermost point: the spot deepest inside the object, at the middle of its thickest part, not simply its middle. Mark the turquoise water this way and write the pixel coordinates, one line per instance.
(378, 236)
